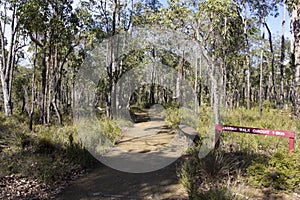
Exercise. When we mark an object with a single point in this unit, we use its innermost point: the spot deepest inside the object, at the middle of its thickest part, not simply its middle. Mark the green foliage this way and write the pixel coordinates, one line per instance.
(273, 119)
(110, 129)
(175, 115)
(275, 169)
(279, 171)
(267, 105)
(45, 146)
(188, 174)
(206, 178)
(63, 35)
(216, 194)
(96, 136)
(47, 153)
(216, 166)
(21, 85)
(172, 117)
(251, 159)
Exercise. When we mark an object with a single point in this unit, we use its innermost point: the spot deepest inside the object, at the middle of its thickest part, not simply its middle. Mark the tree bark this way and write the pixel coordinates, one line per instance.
(296, 52)
(33, 90)
(273, 85)
(244, 17)
(8, 57)
(224, 67)
(195, 84)
(44, 83)
(214, 77)
(282, 55)
(261, 68)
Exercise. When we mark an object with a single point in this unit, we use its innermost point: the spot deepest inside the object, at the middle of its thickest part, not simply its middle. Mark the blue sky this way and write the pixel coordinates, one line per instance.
(275, 23)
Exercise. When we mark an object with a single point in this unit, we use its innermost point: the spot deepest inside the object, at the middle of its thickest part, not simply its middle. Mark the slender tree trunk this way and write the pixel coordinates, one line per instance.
(224, 67)
(273, 85)
(200, 65)
(195, 84)
(200, 84)
(152, 94)
(112, 65)
(33, 90)
(247, 54)
(180, 74)
(8, 57)
(44, 83)
(49, 84)
(243, 88)
(261, 68)
(7, 107)
(296, 52)
(213, 75)
(55, 81)
(282, 55)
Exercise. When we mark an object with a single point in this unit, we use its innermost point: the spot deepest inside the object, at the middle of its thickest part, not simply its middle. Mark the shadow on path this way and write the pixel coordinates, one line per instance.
(146, 140)
(107, 183)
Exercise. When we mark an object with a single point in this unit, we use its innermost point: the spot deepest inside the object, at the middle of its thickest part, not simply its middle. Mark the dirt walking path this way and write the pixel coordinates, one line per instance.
(147, 139)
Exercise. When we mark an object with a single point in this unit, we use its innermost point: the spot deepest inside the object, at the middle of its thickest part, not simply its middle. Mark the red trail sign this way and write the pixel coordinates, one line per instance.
(260, 131)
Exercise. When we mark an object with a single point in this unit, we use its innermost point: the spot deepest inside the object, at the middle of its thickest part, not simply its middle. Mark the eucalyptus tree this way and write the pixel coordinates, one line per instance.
(216, 26)
(52, 27)
(106, 16)
(11, 42)
(112, 17)
(294, 7)
(282, 53)
(262, 9)
(242, 9)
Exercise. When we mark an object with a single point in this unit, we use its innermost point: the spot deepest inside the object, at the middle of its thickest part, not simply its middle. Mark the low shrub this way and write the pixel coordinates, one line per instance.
(279, 172)
(172, 118)
(208, 178)
(46, 153)
(110, 129)
(222, 193)
(188, 173)
(258, 160)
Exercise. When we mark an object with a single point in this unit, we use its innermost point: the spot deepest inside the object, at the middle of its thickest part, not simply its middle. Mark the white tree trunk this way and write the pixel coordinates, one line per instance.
(8, 55)
(261, 67)
(296, 31)
(296, 52)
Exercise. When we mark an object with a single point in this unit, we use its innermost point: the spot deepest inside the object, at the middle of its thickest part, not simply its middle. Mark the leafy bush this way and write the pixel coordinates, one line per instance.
(273, 119)
(243, 158)
(96, 136)
(46, 153)
(110, 129)
(175, 115)
(45, 146)
(22, 140)
(280, 172)
(267, 105)
(172, 119)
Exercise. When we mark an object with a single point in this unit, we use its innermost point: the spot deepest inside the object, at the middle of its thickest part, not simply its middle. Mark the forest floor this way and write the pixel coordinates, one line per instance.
(149, 136)
(44, 170)
(146, 139)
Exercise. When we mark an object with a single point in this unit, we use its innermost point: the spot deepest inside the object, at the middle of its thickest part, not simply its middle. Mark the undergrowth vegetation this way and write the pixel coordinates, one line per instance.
(279, 171)
(47, 153)
(242, 160)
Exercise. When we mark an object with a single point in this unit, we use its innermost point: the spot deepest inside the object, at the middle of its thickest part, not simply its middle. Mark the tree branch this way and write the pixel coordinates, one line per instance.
(36, 41)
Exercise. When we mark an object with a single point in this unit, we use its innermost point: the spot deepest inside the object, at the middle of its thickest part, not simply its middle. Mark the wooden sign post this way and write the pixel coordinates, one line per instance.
(259, 131)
